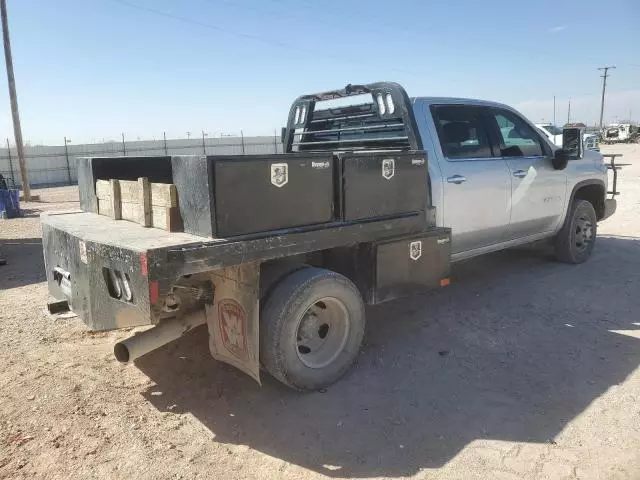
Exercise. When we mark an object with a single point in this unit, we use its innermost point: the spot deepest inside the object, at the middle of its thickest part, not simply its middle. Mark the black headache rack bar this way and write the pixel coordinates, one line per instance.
(386, 122)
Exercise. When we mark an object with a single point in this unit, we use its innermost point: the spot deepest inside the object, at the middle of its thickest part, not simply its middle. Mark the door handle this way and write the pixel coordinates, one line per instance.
(457, 179)
(520, 173)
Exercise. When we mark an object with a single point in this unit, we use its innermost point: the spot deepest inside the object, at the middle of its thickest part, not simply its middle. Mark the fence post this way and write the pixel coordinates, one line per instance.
(166, 152)
(13, 180)
(124, 146)
(66, 155)
(242, 137)
(204, 147)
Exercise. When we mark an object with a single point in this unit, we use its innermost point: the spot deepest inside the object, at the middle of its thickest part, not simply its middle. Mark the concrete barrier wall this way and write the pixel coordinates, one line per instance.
(50, 165)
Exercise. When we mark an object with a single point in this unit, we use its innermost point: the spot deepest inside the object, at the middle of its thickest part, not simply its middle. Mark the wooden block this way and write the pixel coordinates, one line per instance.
(166, 218)
(145, 201)
(130, 191)
(116, 204)
(131, 212)
(103, 189)
(164, 195)
(104, 207)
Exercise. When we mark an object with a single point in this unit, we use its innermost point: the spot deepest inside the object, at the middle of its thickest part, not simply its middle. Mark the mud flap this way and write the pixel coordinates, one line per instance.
(233, 318)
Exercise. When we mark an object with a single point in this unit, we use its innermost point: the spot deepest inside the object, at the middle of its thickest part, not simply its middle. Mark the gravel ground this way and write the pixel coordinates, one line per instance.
(523, 368)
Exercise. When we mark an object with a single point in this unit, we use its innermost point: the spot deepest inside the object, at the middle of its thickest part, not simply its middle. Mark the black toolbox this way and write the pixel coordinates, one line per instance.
(226, 196)
(410, 264)
(395, 267)
(381, 184)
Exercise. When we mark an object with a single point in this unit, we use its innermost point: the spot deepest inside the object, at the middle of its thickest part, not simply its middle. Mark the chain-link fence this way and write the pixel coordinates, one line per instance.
(50, 165)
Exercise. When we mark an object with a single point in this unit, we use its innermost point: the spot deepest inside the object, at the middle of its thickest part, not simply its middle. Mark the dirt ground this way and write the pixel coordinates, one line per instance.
(523, 368)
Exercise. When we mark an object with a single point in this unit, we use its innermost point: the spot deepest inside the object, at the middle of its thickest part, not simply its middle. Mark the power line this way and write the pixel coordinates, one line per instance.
(604, 87)
(257, 38)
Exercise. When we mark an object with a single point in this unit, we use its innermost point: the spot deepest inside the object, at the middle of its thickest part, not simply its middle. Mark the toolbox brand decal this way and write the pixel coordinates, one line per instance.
(320, 164)
(417, 161)
(82, 247)
(231, 320)
(415, 250)
(279, 174)
(388, 168)
(443, 241)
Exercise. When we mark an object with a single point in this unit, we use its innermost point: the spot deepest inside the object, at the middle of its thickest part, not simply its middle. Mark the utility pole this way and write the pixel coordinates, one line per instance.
(554, 110)
(569, 112)
(204, 146)
(604, 87)
(17, 130)
(66, 155)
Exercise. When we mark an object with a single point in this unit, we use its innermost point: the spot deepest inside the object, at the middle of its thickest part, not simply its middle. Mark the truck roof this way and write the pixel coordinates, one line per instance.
(459, 101)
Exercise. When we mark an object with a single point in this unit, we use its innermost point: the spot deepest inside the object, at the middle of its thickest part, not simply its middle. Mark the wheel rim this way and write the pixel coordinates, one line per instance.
(584, 233)
(322, 332)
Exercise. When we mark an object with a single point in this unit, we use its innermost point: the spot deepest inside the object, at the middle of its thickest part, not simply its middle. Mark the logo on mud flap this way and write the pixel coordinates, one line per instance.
(279, 174)
(415, 250)
(388, 168)
(231, 321)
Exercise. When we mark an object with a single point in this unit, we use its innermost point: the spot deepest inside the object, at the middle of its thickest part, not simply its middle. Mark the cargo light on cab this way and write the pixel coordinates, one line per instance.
(390, 106)
(381, 107)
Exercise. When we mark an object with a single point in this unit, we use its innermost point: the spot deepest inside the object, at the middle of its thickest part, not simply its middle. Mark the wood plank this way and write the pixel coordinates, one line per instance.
(144, 201)
(166, 218)
(164, 195)
(131, 212)
(116, 204)
(130, 191)
(104, 207)
(103, 189)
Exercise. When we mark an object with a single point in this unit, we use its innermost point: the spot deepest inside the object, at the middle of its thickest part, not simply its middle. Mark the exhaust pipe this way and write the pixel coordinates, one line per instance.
(134, 347)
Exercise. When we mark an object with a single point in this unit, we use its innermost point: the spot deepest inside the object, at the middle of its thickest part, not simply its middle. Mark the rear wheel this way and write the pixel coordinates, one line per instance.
(575, 242)
(311, 328)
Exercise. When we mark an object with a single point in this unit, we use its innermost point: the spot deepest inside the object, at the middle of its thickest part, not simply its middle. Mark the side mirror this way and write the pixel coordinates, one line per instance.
(560, 159)
(573, 142)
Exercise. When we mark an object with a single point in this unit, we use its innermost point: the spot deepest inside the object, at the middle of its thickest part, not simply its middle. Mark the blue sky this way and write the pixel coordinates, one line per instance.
(91, 69)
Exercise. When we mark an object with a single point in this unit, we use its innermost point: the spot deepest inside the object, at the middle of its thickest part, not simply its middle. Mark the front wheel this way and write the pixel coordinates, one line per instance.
(311, 328)
(575, 242)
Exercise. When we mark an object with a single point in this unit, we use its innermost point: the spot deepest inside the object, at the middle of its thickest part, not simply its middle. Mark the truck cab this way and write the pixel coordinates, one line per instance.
(493, 177)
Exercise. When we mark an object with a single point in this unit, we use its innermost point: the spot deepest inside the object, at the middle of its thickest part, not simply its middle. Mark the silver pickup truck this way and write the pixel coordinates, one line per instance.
(375, 195)
(494, 181)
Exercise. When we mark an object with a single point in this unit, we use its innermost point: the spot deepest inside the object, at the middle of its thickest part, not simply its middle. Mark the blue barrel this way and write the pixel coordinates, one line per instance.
(9, 203)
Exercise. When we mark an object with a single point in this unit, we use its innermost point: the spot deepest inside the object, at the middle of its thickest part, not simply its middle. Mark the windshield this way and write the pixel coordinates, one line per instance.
(552, 129)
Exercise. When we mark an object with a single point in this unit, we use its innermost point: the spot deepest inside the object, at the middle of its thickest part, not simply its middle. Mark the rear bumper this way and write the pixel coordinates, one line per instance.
(610, 205)
(78, 271)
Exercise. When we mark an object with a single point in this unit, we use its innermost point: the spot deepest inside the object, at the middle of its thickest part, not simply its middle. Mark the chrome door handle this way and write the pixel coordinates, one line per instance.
(457, 179)
(520, 173)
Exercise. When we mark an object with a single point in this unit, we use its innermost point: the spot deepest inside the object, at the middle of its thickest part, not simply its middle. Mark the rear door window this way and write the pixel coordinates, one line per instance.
(462, 132)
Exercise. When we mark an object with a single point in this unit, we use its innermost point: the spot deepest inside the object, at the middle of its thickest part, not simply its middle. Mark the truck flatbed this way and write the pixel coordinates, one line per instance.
(258, 246)
(194, 253)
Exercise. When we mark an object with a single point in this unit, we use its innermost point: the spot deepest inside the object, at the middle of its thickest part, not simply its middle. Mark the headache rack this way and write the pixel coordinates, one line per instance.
(386, 122)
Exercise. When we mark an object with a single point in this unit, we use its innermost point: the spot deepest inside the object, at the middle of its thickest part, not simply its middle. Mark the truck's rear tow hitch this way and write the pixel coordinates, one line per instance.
(58, 306)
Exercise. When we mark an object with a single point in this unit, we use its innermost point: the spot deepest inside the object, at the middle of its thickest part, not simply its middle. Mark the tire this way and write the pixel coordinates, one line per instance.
(575, 242)
(311, 328)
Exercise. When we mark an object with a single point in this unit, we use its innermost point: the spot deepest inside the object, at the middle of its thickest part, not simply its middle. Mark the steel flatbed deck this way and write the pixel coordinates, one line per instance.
(171, 254)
